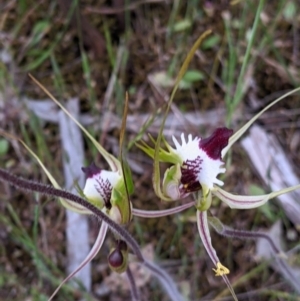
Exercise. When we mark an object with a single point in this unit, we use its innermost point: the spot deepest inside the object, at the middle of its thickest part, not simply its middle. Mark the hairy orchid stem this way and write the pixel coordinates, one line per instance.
(135, 294)
(242, 234)
(28, 185)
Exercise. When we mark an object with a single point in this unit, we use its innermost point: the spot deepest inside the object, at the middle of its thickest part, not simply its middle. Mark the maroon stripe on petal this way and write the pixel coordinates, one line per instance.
(245, 202)
(214, 144)
(189, 173)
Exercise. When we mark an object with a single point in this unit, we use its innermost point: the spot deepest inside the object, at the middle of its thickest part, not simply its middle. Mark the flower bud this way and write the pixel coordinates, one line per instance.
(118, 257)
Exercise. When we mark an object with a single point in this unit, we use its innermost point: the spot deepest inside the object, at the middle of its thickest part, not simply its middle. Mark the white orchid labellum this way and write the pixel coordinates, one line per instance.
(103, 188)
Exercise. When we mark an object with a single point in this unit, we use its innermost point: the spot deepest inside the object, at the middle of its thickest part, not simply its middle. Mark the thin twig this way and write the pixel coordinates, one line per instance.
(135, 294)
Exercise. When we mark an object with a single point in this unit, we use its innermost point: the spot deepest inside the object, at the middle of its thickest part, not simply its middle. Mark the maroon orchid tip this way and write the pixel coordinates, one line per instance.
(214, 144)
(115, 258)
(91, 170)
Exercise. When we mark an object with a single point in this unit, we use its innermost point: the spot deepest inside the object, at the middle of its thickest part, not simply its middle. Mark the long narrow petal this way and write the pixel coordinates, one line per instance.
(67, 204)
(248, 201)
(244, 128)
(111, 160)
(94, 251)
(160, 213)
(204, 233)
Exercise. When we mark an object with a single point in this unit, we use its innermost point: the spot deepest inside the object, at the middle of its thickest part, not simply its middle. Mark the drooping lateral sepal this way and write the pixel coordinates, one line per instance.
(204, 233)
(93, 252)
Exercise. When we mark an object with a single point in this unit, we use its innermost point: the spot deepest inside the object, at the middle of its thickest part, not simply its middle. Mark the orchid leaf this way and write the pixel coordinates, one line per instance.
(4, 146)
(111, 160)
(93, 252)
(183, 69)
(67, 204)
(246, 201)
(244, 128)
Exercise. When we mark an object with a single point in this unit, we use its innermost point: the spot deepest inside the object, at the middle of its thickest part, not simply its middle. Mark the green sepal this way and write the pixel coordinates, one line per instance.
(127, 176)
(119, 200)
(168, 156)
(203, 199)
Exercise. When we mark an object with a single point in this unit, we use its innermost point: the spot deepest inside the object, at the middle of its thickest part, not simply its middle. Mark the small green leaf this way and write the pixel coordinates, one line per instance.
(182, 25)
(184, 85)
(267, 211)
(256, 190)
(189, 78)
(290, 11)
(193, 76)
(39, 30)
(40, 27)
(4, 145)
(211, 42)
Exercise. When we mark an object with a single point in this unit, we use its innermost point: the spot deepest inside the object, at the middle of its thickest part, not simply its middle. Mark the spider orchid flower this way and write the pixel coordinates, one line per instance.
(108, 191)
(195, 166)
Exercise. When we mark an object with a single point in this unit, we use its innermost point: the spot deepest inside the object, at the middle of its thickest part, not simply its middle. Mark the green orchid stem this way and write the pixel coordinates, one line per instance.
(27, 185)
(203, 199)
